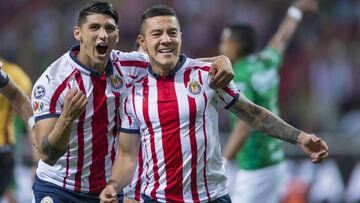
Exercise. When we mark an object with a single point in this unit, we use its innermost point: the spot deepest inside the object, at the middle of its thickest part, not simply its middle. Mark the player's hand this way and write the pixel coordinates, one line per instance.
(108, 194)
(221, 72)
(74, 104)
(306, 5)
(313, 146)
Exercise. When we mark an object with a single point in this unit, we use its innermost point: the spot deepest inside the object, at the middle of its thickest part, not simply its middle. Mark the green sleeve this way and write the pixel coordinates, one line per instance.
(271, 58)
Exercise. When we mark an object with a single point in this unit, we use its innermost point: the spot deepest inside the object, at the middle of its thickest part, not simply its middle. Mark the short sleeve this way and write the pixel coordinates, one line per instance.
(132, 65)
(45, 98)
(229, 95)
(128, 119)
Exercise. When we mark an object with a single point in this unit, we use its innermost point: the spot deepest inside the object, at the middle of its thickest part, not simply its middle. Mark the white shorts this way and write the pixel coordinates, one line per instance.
(261, 185)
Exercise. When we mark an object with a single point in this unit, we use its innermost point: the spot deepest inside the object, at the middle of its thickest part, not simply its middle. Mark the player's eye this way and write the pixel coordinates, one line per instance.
(110, 28)
(93, 27)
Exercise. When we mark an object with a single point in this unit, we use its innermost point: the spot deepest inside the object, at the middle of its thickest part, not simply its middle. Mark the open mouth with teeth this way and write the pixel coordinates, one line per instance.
(101, 49)
(166, 51)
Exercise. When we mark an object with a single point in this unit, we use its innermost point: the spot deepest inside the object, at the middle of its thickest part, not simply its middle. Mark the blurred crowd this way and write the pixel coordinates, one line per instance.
(319, 77)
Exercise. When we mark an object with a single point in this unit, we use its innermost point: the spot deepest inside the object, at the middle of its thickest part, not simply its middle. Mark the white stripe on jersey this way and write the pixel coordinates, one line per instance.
(81, 168)
(196, 141)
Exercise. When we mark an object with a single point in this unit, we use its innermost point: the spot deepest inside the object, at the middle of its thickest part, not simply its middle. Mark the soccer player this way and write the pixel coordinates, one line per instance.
(176, 113)
(15, 85)
(260, 160)
(75, 105)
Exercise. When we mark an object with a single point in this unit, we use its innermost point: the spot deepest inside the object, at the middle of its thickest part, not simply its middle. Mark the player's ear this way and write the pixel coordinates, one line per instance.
(77, 33)
(141, 40)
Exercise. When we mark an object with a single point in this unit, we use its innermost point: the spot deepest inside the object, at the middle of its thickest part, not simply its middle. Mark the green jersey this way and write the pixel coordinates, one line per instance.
(258, 79)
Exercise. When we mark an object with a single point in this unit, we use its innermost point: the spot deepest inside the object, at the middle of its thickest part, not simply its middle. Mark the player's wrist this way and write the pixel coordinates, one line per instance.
(295, 13)
(114, 184)
(301, 138)
(4, 78)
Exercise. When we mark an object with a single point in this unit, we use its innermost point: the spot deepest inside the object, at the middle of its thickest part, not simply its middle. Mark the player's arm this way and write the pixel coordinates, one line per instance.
(237, 138)
(290, 23)
(15, 95)
(221, 71)
(123, 168)
(267, 122)
(52, 135)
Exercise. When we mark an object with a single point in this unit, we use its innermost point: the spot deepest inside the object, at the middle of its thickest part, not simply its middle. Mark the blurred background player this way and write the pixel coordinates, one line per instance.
(15, 86)
(259, 158)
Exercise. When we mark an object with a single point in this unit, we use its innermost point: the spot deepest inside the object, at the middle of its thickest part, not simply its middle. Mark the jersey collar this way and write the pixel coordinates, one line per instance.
(182, 60)
(87, 70)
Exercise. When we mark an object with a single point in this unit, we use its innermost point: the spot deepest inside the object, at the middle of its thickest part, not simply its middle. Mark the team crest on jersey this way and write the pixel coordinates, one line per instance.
(39, 91)
(47, 199)
(194, 88)
(116, 83)
(38, 106)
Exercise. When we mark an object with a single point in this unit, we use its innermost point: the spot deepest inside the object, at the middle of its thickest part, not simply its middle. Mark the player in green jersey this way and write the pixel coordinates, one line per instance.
(259, 157)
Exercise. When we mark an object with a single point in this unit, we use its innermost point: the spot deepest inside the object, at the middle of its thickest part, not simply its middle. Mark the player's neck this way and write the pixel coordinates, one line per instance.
(163, 70)
(86, 60)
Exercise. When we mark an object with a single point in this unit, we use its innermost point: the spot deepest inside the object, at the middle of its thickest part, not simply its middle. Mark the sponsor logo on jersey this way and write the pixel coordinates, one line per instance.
(47, 199)
(38, 106)
(194, 88)
(39, 92)
(116, 83)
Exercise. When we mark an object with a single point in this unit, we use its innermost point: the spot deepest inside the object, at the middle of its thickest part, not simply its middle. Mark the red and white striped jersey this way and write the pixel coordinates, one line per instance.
(177, 117)
(86, 165)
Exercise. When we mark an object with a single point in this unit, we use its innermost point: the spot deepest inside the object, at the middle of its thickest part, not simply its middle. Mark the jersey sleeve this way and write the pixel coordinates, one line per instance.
(271, 58)
(128, 123)
(45, 99)
(229, 95)
(132, 65)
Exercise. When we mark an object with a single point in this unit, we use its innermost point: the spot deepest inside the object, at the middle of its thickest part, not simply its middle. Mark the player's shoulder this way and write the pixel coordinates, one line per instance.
(129, 56)
(11, 69)
(58, 70)
(196, 64)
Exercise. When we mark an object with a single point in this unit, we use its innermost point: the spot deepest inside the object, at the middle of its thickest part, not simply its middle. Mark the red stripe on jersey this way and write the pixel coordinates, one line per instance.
(99, 124)
(152, 139)
(147, 164)
(118, 69)
(80, 138)
(58, 92)
(192, 136)
(229, 91)
(139, 64)
(133, 101)
(140, 171)
(116, 128)
(126, 113)
(170, 129)
(204, 68)
(67, 166)
(205, 141)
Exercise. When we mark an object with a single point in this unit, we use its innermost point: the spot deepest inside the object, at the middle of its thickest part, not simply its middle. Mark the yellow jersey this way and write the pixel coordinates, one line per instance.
(7, 131)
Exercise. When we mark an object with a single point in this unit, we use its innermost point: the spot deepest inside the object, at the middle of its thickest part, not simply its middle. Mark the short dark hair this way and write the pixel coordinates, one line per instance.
(99, 7)
(245, 35)
(156, 10)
